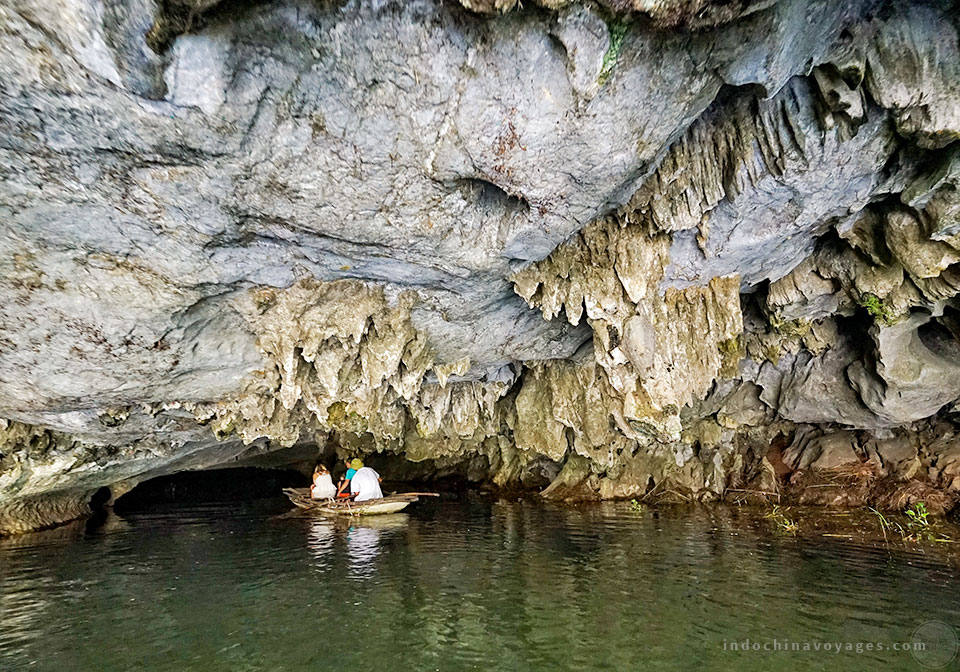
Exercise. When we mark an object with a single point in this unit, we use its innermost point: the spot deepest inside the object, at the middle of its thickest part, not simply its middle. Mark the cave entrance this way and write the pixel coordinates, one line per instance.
(212, 486)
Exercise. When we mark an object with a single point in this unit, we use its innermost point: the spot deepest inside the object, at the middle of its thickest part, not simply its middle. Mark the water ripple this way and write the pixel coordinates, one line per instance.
(453, 587)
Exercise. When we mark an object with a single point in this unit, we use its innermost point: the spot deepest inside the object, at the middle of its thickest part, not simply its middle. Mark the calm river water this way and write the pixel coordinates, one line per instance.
(472, 585)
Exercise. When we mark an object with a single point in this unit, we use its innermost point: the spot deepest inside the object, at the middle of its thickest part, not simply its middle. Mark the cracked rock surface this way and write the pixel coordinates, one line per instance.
(606, 248)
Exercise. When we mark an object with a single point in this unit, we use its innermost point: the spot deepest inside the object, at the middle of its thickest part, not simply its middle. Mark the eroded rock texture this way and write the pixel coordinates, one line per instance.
(612, 248)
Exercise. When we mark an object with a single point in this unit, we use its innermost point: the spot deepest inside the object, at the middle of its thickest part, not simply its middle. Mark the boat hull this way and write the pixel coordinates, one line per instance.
(374, 507)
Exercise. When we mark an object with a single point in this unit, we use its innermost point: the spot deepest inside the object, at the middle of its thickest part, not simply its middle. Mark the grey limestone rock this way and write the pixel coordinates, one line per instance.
(237, 229)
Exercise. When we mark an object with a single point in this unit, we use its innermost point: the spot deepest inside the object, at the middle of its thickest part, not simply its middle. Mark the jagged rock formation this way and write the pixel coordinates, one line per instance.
(622, 248)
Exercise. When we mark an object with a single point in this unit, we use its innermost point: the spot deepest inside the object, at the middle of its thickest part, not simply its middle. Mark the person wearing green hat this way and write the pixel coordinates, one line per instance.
(343, 489)
(365, 485)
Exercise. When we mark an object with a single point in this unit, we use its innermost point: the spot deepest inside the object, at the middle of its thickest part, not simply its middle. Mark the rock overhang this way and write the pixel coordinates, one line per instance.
(163, 197)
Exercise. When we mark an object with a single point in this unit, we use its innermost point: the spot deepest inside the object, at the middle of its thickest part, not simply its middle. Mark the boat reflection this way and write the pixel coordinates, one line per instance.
(363, 547)
(363, 541)
(320, 538)
(362, 536)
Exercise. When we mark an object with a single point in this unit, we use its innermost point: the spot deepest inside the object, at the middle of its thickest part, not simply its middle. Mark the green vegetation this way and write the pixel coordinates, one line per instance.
(781, 521)
(918, 526)
(877, 309)
(884, 522)
(618, 31)
(918, 515)
(636, 506)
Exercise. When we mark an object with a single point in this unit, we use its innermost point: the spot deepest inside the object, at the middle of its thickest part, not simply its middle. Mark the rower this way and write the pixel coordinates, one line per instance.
(343, 490)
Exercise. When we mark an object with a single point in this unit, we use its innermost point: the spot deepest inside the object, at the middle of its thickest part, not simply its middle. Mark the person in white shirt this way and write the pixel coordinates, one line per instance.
(365, 484)
(323, 487)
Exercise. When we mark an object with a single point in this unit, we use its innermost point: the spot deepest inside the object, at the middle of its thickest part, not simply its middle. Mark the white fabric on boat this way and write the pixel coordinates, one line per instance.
(323, 487)
(366, 485)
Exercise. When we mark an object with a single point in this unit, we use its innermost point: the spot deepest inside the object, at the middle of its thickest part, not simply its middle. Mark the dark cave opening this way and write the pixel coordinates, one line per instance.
(212, 486)
(100, 498)
(98, 508)
(939, 336)
(249, 486)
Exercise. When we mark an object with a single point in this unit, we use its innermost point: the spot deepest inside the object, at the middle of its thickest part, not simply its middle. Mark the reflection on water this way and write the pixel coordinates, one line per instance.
(363, 546)
(453, 586)
(320, 539)
(361, 537)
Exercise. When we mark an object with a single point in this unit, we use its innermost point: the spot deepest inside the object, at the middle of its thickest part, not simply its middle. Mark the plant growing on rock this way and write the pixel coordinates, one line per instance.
(618, 31)
(877, 309)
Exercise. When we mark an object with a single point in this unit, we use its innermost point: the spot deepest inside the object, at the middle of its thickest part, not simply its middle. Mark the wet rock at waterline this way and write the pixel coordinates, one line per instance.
(615, 249)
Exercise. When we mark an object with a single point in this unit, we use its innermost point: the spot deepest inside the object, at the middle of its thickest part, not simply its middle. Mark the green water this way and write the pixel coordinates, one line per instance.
(472, 585)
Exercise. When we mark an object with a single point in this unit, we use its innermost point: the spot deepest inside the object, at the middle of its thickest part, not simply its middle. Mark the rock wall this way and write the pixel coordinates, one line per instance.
(623, 248)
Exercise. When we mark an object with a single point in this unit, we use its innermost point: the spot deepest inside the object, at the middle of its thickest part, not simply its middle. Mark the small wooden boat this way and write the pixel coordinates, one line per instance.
(345, 507)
